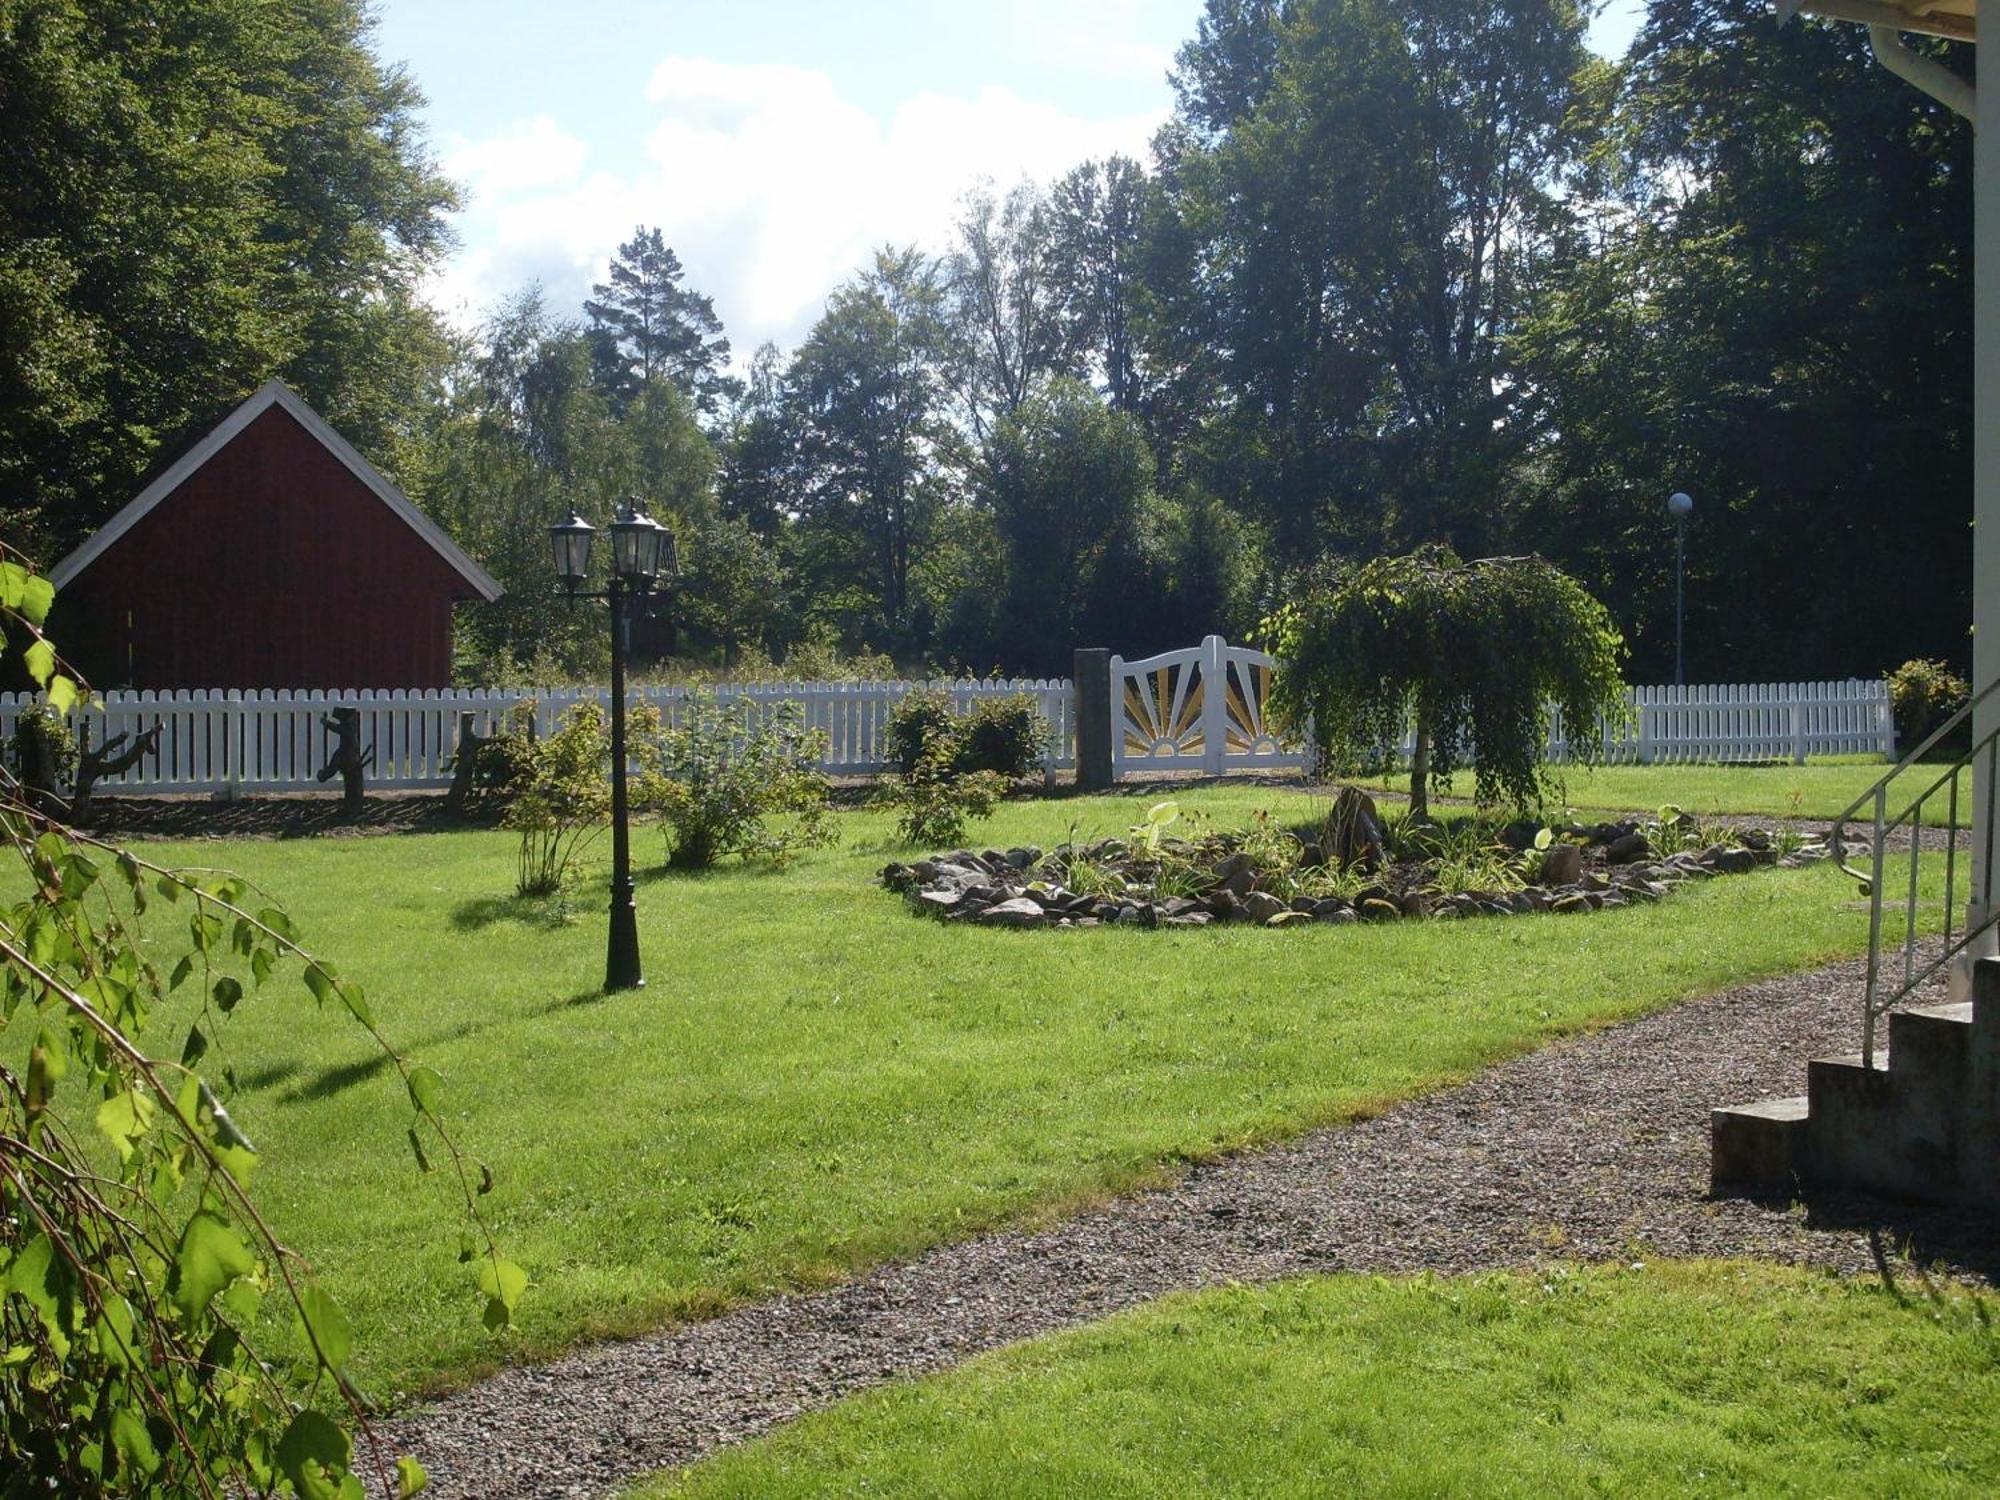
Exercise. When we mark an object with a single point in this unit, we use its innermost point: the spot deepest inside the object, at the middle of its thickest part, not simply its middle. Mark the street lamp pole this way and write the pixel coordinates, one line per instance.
(642, 555)
(621, 955)
(1679, 505)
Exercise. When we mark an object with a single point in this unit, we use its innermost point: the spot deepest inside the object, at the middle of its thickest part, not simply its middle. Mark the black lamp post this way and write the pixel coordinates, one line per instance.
(642, 559)
(1680, 505)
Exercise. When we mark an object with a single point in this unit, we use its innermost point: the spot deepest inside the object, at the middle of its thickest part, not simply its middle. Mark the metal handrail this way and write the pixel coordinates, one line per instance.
(1882, 997)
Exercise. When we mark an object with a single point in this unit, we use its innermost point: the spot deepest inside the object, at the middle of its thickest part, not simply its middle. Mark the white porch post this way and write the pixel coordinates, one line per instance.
(1985, 468)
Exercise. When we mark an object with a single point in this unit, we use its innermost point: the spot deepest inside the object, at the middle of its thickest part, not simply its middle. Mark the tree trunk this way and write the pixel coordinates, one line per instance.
(1420, 770)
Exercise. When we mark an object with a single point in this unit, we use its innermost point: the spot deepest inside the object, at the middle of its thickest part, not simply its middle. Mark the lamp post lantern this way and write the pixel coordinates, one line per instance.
(643, 559)
(1680, 504)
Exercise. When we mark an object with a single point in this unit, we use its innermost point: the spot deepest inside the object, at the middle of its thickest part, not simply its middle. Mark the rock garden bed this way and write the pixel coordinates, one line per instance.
(1354, 868)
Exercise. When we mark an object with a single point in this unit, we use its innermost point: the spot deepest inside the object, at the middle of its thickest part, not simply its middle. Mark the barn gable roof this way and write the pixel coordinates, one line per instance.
(276, 393)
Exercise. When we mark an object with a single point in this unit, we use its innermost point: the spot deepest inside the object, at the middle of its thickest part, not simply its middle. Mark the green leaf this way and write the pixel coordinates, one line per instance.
(261, 964)
(417, 1150)
(501, 1282)
(227, 992)
(327, 1324)
(356, 1001)
(210, 1256)
(25, 592)
(124, 1118)
(169, 886)
(279, 923)
(62, 693)
(314, 1454)
(117, 1338)
(134, 1444)
(426, 1089)
(40, 660)
(410, 1477)
(320, 982)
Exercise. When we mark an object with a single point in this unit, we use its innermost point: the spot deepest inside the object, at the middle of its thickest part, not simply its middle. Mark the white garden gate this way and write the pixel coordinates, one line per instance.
(1196, 710)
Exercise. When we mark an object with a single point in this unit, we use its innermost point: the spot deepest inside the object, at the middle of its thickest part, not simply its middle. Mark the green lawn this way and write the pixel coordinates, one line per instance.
(1818, 789)
(1685, 1380)
(817, 1080)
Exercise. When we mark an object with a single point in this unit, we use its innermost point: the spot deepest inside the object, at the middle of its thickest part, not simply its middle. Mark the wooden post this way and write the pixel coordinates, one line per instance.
(1095, 714)
(107, 760)
(464, 763)
(348, 760)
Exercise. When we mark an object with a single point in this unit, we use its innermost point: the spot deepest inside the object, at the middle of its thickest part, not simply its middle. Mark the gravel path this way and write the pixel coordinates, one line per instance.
(1593, 1148)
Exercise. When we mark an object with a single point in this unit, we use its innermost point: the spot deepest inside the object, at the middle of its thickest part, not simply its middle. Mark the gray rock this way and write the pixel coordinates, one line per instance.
(937, 902)
(1019, 912)
(1627, 848)
(1574, 901)
(1262, 906)
(1335, 911)
(1562, 864)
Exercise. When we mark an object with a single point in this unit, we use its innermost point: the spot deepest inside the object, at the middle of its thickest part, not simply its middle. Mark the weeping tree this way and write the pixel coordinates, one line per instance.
(1475, 654)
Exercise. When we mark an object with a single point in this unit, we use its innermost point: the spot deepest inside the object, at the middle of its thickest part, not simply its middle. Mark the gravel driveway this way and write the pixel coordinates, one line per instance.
(1591, 1148)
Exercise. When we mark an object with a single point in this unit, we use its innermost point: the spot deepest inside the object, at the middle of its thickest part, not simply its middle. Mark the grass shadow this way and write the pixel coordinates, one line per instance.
(480, 912)
(330, 1081)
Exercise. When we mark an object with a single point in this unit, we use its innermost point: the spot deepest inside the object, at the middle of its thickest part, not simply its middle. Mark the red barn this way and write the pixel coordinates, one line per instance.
(269, 555)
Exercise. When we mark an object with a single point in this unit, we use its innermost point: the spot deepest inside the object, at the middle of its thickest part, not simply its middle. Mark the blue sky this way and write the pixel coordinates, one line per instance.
(775, 142)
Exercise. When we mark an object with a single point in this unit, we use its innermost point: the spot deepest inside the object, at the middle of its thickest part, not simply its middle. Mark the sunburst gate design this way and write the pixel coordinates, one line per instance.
(1249, 689)
(1169, 719)
(1163, 717)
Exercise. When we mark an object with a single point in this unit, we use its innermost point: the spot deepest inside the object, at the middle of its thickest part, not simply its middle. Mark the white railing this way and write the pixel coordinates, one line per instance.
(274, 741)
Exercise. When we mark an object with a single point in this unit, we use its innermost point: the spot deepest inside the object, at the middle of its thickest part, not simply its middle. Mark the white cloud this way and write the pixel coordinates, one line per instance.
(769, 185)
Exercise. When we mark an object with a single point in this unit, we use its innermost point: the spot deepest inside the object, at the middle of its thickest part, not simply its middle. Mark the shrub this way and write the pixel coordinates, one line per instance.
(937, 800)
(724, 773)
(1005, 735)
(1923, 693)
(559, 793)
(919, 724)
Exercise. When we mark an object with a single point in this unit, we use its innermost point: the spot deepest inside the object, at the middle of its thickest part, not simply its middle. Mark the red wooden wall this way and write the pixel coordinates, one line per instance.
(272, 566)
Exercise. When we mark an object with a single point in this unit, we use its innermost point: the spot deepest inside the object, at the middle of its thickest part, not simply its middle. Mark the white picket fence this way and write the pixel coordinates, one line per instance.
(1163, 718)
(1762, 721)
(274, 741)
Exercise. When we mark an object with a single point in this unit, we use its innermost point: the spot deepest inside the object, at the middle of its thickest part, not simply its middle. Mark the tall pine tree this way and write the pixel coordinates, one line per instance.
(647, 326)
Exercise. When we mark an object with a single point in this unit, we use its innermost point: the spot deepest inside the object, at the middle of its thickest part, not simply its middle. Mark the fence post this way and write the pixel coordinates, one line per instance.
(1095, 711)
(1214, 704)
(1798, 732)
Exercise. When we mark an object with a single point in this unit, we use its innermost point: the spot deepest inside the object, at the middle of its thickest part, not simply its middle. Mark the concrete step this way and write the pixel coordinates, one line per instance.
(1932, 1045)
(1757, 1148)
(1839, 1087)
(1986, 1012)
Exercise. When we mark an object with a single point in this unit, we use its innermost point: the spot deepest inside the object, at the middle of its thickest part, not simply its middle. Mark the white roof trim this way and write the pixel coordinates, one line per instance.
(276, 393)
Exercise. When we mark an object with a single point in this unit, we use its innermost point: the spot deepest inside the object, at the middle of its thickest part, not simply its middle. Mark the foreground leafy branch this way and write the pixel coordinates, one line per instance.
(137, 1276)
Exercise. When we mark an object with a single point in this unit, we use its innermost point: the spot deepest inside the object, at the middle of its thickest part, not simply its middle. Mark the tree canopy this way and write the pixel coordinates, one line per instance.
(195, 198)
(1391, 275)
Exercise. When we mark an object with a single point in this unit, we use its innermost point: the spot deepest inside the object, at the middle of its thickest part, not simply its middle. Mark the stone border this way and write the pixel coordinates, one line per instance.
(1589, 868)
